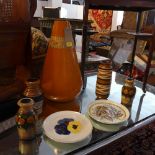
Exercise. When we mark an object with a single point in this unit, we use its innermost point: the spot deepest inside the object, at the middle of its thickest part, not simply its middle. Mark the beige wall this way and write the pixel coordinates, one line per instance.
(73, 11)
(116, 19)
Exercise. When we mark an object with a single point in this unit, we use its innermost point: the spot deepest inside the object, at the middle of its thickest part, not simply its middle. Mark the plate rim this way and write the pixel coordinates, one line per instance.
(111, 102)
(105, 126)
(72, 139)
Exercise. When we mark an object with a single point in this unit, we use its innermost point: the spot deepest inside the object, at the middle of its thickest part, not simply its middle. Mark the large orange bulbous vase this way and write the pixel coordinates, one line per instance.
(61, 78)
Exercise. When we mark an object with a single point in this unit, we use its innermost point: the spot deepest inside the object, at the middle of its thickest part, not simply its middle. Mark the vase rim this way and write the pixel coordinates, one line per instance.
(25, 102)
(32, 80)
(61, 19)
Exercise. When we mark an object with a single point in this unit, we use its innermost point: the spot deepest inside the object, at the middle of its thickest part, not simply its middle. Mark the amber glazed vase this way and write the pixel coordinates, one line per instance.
(61, 78)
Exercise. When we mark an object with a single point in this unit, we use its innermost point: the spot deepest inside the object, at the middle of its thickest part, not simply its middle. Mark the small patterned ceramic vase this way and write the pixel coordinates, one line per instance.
(25, 119)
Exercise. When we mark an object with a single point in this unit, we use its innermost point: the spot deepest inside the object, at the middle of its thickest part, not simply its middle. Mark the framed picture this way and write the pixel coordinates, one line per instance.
(121, 49)
(66, 1)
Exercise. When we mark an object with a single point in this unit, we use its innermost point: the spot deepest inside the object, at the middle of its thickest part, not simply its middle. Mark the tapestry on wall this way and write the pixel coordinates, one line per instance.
(102, 20)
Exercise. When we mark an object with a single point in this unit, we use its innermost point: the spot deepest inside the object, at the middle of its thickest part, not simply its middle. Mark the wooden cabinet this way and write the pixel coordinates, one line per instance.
(132, 5)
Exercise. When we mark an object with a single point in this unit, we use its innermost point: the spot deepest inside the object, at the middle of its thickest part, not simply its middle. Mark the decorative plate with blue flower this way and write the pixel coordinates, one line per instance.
(67, 127)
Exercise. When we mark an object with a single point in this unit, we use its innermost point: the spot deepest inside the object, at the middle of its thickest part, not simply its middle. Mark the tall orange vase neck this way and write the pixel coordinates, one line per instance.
(58, 28)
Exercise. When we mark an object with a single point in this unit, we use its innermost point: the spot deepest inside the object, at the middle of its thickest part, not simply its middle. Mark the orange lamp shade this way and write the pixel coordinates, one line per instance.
(61, 78)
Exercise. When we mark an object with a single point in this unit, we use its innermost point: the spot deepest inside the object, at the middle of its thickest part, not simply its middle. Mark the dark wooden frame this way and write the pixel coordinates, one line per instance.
(132, 5)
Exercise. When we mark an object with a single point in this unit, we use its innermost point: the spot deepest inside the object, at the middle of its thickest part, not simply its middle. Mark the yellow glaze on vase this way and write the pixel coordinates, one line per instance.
(128, 92)
(61, 78)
